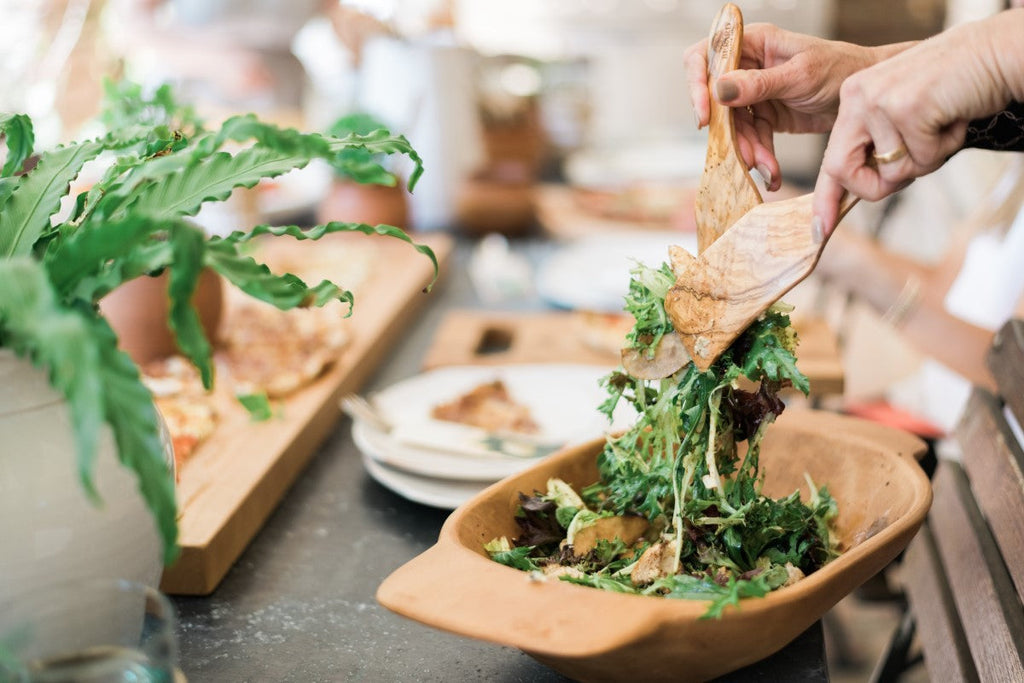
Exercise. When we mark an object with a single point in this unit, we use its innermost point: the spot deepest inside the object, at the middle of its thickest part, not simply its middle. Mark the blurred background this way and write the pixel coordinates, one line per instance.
(558, 120)
(492, 94)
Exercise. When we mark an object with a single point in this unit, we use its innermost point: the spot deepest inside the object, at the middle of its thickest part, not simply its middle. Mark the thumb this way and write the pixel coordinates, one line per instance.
(743, 87)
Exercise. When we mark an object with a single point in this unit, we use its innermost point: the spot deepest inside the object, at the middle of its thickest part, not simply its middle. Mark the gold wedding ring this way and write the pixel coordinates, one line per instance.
(889, 157)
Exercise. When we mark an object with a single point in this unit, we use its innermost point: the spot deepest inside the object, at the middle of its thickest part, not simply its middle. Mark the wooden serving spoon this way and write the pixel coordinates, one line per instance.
(726, 191)
(760, 258)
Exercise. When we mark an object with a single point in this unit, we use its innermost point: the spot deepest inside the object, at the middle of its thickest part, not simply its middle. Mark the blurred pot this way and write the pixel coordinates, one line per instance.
(138, 310)
(500, 200)
(352, 202)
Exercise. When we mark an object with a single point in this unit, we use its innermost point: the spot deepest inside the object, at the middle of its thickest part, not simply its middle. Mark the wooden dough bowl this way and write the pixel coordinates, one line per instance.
(594, 635)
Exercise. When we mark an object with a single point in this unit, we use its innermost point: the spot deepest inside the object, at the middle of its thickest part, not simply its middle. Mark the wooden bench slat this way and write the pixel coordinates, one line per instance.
(938, 626)
(991, 614)
(994, 462)
(1006, 361)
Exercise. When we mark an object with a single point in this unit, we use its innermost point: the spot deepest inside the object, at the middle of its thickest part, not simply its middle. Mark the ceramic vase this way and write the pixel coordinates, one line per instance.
(49, 530)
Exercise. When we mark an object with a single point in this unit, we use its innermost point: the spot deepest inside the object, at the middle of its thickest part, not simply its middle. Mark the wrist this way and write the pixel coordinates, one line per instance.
(1000, 56)
(880, 53)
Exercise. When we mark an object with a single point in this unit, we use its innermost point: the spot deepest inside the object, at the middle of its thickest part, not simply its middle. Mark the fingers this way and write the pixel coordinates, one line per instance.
(880, 142)
(755, 140)
(765, 161)
(891, 160)
(695, 62)
(741, 87)
(827, 196)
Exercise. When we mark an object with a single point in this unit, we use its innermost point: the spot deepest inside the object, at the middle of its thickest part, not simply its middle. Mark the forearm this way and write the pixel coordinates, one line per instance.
(1005, 53)
(907, 294)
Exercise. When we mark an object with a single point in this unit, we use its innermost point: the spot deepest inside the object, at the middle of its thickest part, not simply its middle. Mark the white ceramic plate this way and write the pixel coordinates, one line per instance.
(592, 273)
(562, 399)
(446, 494)
(456, 466)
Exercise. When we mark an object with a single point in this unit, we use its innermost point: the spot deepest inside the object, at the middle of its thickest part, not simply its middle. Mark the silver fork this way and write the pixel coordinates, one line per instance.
(358, 408)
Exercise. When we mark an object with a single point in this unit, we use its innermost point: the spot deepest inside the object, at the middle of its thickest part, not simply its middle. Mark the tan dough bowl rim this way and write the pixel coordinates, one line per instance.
(418, 590)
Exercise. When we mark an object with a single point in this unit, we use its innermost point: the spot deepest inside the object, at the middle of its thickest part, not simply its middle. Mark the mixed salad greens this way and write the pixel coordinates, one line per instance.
(678, 510)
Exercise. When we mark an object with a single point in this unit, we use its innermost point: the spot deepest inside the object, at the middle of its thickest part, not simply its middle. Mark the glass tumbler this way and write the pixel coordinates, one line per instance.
(88, 631)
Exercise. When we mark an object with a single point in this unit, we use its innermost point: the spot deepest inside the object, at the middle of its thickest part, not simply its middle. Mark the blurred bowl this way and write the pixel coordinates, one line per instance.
(594, 635)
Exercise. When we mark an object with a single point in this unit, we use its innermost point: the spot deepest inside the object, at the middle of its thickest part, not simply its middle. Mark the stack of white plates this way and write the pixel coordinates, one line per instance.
(443, 464)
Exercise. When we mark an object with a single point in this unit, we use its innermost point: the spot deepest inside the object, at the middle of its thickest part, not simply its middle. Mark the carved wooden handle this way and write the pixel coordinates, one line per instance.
(726, 189)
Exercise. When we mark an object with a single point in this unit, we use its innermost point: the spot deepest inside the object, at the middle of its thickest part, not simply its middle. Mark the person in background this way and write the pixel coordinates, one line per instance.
(896, 113)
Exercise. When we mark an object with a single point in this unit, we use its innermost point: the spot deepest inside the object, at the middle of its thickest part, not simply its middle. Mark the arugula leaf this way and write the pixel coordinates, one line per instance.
(719, 596)
(615, 584)
(517, 558)
(258, 406)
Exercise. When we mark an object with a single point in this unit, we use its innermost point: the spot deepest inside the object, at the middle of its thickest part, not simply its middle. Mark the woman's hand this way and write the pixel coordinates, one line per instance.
(903, 117)
(789, 81)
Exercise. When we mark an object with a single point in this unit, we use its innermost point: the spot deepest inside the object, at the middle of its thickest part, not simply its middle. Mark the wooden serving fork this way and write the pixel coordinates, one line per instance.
(726, 191)
(760, 258)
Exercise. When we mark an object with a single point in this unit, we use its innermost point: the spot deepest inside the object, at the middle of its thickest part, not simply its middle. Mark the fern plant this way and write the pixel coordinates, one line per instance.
(56, 264)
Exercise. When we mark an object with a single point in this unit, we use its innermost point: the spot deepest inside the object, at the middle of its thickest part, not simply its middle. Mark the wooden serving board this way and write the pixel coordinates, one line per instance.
(231, 484)
(471, 337)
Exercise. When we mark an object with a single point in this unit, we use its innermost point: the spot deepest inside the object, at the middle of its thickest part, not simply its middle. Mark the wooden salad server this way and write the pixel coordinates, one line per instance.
(726, 191)
(760, 258)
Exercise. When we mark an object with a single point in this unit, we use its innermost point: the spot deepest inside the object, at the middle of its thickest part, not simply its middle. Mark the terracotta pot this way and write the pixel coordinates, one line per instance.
(138, 309)
(499, 199)
(49, 531)
(588, 634)
(352, 202)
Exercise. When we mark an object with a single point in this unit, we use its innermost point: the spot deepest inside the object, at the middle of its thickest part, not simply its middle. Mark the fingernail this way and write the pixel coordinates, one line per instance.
(696, 119)
(766, 175)
(726, 91)
(817, 230)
